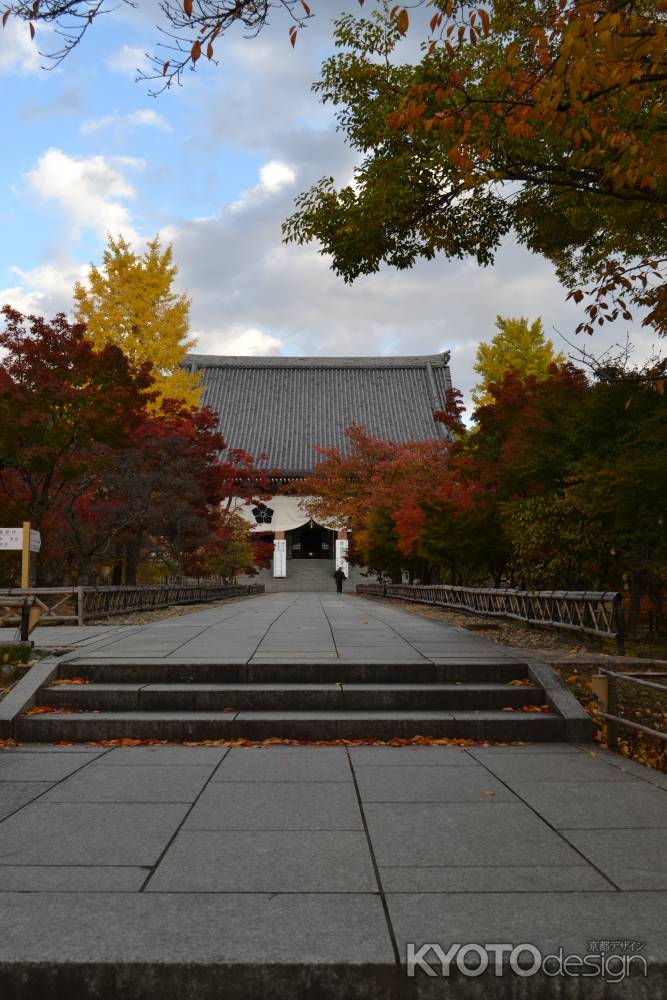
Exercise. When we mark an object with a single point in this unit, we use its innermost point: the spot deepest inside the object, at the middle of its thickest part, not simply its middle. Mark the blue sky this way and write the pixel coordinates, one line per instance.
(214, 167)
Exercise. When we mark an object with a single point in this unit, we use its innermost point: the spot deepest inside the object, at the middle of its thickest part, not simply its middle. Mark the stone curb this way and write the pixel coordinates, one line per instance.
(578, 726)
(24, 694)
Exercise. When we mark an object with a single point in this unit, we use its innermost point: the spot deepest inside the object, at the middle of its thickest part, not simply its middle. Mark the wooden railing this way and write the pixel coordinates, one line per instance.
(614, 720)
(590, 611)
(77, 605)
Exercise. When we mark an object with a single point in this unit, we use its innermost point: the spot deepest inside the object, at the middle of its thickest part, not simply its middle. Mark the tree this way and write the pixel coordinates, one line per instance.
(129, 302)
(562, 101)
(190, 30)
(368, 485)
(62, 405)
(517, 347)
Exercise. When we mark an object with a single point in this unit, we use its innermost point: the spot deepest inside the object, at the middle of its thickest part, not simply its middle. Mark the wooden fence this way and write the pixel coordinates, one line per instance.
(614, 720)
(590, 611)
(77, 605)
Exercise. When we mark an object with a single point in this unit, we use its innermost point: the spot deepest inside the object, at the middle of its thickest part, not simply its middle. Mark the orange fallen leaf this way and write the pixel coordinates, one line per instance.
(69, 681)
(445, 741)
(51, 710)
(488, 791)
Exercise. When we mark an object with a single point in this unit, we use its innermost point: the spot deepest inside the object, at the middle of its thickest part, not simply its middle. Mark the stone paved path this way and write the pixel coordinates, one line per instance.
(291, 627)
(287, 872)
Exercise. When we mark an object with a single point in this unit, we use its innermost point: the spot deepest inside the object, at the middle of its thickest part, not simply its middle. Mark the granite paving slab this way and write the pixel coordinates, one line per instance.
(552, 767)
(42, 766)
(568, 920)
(184, 946)
(266, 805)
(158, 756)
(72, 878)
(587, 805)
(487, 878)
(406, 783)
(87, 833)
(14, 794)
(463, 833)
(107, 783)
(631, 858)
(266, 861)
(410, 755)
(285, 764)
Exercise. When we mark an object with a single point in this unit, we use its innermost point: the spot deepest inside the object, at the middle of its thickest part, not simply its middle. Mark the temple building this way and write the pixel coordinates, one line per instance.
(285, 408)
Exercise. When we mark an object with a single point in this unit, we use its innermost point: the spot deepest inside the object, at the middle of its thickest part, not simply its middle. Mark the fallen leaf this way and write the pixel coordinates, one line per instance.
(67, 681)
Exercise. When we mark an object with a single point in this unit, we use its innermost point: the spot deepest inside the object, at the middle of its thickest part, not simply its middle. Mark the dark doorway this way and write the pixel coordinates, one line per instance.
(311, 542)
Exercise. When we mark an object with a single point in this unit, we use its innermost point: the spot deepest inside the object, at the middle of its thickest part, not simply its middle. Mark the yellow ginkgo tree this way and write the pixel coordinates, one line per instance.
(518, 346)
(129, 302)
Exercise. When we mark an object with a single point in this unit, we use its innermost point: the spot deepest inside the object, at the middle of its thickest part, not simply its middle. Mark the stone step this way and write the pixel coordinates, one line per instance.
(195, 697)
(304, 725)
(163, 671)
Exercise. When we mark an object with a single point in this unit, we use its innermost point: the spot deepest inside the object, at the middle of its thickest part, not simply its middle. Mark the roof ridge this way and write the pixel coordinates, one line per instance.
(318, 361)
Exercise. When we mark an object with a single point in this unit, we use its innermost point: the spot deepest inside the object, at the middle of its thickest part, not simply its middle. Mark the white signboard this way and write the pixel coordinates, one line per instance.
(341, 555)
(279, 557)
(35, 540)
(11, 539)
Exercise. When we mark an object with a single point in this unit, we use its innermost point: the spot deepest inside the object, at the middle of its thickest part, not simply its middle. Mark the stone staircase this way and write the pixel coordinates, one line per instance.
(309, 576)
(167, 700)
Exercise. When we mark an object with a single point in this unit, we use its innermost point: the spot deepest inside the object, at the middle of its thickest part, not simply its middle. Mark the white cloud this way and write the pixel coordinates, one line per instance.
(18, 52)
(128, 60)
(238, 340)
(89, 190)
(135, 119)
(273, 176)
(45, 289)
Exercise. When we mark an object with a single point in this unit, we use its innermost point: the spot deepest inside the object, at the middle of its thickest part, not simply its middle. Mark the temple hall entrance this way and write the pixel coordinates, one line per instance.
(311, 542)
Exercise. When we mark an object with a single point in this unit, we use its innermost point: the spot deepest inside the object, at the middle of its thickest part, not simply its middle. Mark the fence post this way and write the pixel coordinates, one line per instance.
(612, 709)
(25, 621)
(80, 609)
(619, 623)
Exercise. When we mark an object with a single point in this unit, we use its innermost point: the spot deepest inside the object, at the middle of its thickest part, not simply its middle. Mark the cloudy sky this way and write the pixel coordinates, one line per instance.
(214, 166)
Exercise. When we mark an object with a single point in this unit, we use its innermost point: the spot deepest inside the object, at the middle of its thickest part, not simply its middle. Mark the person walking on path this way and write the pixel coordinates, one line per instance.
(339, 576)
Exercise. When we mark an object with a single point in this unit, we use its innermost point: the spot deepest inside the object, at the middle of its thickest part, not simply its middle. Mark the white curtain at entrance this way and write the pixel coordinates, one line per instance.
(279, 557)
(288, 513)
(341, 556)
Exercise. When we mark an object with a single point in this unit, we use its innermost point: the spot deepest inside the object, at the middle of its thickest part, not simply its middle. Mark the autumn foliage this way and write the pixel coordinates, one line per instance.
(560, 483)
(119, 487)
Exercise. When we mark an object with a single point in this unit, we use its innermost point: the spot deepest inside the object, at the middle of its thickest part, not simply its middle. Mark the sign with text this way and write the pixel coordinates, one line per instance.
(11, 539)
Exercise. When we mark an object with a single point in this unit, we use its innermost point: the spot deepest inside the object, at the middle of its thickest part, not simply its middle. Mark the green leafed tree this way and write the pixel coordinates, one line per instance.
(518, 346)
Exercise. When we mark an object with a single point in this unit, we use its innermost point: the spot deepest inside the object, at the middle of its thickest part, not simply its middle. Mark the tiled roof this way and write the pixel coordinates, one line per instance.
(287, 407)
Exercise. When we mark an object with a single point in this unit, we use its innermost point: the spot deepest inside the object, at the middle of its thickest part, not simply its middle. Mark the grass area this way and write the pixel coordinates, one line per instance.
(15, 659)
(13, 653)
